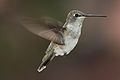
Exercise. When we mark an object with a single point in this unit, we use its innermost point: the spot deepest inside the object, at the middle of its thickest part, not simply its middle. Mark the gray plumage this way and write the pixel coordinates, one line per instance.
(63, 37)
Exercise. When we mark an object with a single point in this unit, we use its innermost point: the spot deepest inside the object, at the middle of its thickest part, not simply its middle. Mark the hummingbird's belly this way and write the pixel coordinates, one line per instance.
(71, 37)
(70, 44)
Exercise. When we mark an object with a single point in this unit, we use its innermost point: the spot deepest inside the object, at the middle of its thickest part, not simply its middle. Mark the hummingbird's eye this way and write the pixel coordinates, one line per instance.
(77, 15)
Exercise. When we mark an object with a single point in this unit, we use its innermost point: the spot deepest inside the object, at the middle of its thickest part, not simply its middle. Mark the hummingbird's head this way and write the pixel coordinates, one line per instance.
(75, 16)
(78, 16)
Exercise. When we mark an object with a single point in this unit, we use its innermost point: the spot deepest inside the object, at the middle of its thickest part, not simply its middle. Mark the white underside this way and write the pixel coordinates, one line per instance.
(71, 39)
(70, 43)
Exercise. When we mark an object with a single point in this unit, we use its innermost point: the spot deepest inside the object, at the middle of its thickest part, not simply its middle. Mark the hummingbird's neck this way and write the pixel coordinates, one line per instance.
(73, 26)
(75, 22)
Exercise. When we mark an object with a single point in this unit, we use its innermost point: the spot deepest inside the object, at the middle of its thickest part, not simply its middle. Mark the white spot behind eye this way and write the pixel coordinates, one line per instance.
(76, 15)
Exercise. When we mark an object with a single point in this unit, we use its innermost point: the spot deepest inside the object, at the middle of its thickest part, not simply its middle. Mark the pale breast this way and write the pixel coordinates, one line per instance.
(71, 37)
(70, 43)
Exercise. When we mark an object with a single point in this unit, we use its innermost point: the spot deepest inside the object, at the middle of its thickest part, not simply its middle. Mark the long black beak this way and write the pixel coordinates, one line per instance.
(93, 15)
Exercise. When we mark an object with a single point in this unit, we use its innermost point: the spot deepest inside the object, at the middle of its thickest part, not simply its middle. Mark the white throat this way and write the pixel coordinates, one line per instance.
(75, 26)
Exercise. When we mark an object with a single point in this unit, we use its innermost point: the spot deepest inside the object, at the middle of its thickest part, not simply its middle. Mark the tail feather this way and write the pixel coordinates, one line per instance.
(46, 59)
(41, 68)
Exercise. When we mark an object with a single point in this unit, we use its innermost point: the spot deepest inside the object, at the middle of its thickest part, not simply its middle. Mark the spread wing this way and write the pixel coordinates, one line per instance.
(45, 27)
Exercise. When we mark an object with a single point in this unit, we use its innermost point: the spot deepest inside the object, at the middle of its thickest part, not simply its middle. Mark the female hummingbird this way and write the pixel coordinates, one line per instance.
(63, 37)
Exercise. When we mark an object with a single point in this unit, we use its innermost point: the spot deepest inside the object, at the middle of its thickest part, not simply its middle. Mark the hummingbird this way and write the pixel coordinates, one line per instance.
(63, 37)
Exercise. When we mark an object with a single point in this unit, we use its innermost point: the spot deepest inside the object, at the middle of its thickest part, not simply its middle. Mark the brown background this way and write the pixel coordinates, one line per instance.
(96, 57)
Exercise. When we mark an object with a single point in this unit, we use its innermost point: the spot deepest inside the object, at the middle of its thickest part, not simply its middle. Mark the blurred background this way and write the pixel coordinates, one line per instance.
(96, 57)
